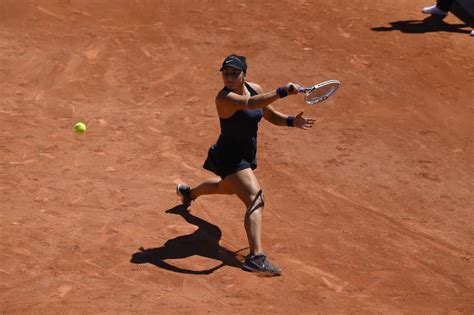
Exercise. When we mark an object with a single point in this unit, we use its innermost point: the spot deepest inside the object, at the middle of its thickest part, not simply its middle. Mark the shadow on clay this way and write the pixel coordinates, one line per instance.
(203, 242)
(430, 24)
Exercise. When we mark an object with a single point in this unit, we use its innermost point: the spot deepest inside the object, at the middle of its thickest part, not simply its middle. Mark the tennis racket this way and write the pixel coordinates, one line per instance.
(319, 92)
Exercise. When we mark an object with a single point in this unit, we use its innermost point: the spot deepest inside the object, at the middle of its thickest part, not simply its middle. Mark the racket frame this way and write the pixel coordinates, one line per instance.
(309, 89)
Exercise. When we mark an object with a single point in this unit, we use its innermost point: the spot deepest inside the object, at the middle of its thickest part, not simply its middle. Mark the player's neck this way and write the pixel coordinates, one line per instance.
(240, 89)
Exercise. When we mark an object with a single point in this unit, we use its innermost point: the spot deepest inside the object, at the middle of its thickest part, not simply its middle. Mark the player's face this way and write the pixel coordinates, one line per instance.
(232, 77)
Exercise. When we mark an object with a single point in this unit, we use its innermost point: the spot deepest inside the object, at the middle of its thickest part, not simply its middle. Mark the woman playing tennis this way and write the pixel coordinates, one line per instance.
(240, 106)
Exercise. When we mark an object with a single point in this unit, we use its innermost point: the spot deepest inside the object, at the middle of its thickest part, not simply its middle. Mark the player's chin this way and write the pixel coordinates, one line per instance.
(231, 87)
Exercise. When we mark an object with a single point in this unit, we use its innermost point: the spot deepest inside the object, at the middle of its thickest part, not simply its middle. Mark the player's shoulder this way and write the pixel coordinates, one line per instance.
(256, 87)
(223, 93)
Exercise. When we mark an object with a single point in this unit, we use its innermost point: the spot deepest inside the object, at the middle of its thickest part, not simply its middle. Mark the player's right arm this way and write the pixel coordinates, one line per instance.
(228, 102)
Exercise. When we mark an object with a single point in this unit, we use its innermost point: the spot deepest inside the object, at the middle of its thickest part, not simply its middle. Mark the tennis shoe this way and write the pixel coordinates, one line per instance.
(184, 191)
(472, 33)
(259, 263)
(434, 10)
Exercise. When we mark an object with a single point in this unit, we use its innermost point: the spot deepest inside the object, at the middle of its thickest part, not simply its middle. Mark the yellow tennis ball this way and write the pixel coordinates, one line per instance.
(80, 127)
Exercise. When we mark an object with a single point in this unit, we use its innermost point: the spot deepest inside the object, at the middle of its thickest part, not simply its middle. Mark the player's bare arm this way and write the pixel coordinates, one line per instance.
(228, 102)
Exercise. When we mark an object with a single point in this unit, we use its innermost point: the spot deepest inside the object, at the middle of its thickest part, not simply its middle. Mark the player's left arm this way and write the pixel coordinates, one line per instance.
(281, 119)
(274, 117)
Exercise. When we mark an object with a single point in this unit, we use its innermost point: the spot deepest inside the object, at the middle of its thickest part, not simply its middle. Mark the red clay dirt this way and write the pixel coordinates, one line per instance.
(369, 212)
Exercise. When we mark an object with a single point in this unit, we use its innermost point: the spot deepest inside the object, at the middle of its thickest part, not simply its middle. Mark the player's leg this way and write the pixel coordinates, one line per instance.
(211, 186)
(245, 185)
(444, 5)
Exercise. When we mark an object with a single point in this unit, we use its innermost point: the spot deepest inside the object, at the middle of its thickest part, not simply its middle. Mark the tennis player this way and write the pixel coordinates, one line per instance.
(240, 106)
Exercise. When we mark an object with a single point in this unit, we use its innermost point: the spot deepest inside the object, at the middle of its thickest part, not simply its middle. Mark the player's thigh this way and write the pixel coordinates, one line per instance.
(244, 184)
(225, 188)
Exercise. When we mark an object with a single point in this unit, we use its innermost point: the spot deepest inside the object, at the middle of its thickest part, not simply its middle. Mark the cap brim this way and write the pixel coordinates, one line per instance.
(231, 66)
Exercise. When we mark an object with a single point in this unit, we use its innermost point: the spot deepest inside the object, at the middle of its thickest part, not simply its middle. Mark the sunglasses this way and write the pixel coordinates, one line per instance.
(232, 74)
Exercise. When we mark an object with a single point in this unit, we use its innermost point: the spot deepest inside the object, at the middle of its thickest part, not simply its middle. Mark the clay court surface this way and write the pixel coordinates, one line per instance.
(369, 212)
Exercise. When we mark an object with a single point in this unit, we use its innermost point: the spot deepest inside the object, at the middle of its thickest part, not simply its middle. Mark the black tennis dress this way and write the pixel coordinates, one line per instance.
(236, 148)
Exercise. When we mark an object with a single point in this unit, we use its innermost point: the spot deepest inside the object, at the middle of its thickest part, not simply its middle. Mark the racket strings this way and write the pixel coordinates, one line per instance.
(321, 93)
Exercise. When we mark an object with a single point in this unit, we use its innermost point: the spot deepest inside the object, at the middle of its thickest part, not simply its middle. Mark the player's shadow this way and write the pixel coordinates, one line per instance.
(203, 242)
(430, 24)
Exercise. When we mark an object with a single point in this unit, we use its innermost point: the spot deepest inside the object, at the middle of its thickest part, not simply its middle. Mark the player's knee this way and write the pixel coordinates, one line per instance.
(257, 201)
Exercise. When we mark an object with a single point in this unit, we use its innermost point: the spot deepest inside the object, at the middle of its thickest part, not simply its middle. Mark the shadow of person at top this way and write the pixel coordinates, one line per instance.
(430, 24)
(203, 242)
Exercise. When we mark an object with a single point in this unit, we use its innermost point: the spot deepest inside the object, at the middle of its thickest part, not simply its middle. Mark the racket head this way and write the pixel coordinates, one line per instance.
(320, 92)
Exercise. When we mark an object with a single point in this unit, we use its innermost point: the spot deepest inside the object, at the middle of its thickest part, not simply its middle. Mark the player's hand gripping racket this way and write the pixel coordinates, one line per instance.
(319, 92)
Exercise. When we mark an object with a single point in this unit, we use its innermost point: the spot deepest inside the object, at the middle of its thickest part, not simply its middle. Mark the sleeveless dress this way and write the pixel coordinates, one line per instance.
(236, 147)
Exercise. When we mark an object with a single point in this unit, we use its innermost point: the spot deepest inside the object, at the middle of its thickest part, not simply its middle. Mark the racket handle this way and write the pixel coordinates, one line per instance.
(302, 89)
